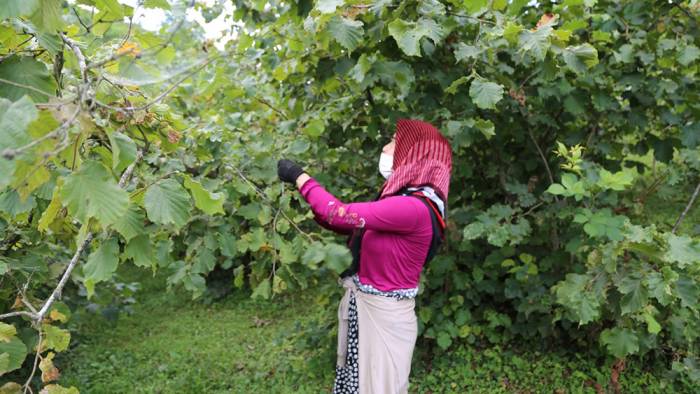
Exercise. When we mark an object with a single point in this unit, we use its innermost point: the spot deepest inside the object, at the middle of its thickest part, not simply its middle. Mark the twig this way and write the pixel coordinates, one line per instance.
(76, 256)
(36, 362)
(66, 274)
(529, 211)
(82, 64)
(128, 32)
(114, 56)
(528, 78)
(264, 197)
(687, 208)
(170, 89)
(87, 28)
(11, 153)
(130, 170)
(18, 313)
(471, 17)
(262, 100)
(544, 159)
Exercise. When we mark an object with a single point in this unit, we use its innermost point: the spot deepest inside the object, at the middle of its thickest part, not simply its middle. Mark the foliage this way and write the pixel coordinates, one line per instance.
(565, 119)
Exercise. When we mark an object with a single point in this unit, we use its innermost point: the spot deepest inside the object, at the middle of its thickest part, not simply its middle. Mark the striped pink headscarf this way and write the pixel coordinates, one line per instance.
(422, 156)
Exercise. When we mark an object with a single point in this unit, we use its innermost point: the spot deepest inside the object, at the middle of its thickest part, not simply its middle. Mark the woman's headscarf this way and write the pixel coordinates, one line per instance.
(422, 156)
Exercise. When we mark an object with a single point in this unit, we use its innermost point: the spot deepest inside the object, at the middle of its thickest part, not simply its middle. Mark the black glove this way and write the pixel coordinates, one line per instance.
(288, 171)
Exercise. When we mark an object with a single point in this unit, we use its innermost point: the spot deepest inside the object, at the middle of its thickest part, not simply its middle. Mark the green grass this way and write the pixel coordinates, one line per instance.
(170, 344)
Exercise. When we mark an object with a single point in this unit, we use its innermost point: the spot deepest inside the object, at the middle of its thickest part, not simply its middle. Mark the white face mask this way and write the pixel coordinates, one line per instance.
(386, 162)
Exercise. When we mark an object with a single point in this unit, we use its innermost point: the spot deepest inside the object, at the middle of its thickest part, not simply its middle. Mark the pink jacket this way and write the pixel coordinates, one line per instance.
(396, 240)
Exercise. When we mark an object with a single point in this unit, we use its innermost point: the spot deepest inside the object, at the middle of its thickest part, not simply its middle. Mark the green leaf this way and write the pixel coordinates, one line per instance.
(92, 192)
(337, 257)
(123, 151)
(476, 7)
(7, 332)
(315, 128)
(130, 224)
(12, 204)
(55, 338)
(314, 254)
(689, 54)
(346, 31)
(298, 147)
(659, 288)
(328, 6)
(511, 32)
(431, 8)
(227, 244)
(634, 294)
(396, 73)
(620, 342)
(682, 250)
(14, 119)
(249, 211)
(452, 89)
(537, 43)
(162, 4)
(465, 51)
(51, 211)
(580, 58)
(262, 290)
(408, 34)
(101, 264)
(194, 283)
(139, 250)
(113, 7)
(167, 202)
(204, 261)
(12, 8)
(485, 94)
(653, 326)
(5, 366)
(556, 189)
(487, 128)
(499, 5)
(48, 16)
(209, 202)
(617, 181)
(687, 291)
(16, 351)
(444, 340)
(574, 294)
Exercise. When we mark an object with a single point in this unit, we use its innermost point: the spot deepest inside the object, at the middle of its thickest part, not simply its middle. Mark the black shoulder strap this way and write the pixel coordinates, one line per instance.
(437, 231)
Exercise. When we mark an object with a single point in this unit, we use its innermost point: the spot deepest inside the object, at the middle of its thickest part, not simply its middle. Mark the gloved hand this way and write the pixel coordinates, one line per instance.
(288, 171)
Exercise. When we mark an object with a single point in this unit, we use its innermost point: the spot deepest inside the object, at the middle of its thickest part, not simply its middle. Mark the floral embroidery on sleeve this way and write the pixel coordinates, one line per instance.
(340, 211)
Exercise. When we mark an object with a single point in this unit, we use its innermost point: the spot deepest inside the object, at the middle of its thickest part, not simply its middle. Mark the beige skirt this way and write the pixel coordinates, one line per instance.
(387, 336)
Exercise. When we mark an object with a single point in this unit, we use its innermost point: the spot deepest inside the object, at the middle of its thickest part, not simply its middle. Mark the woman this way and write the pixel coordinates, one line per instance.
(377, 322)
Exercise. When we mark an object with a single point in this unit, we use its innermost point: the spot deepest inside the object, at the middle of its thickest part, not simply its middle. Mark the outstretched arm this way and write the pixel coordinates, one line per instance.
(336, 229)
(392, 214)
(300, 182)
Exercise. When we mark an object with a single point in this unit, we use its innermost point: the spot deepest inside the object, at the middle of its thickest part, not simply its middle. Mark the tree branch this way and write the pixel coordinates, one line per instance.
(66, 274)
(687, 208)
(82, 64)
(542, 156)
(36, 362)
